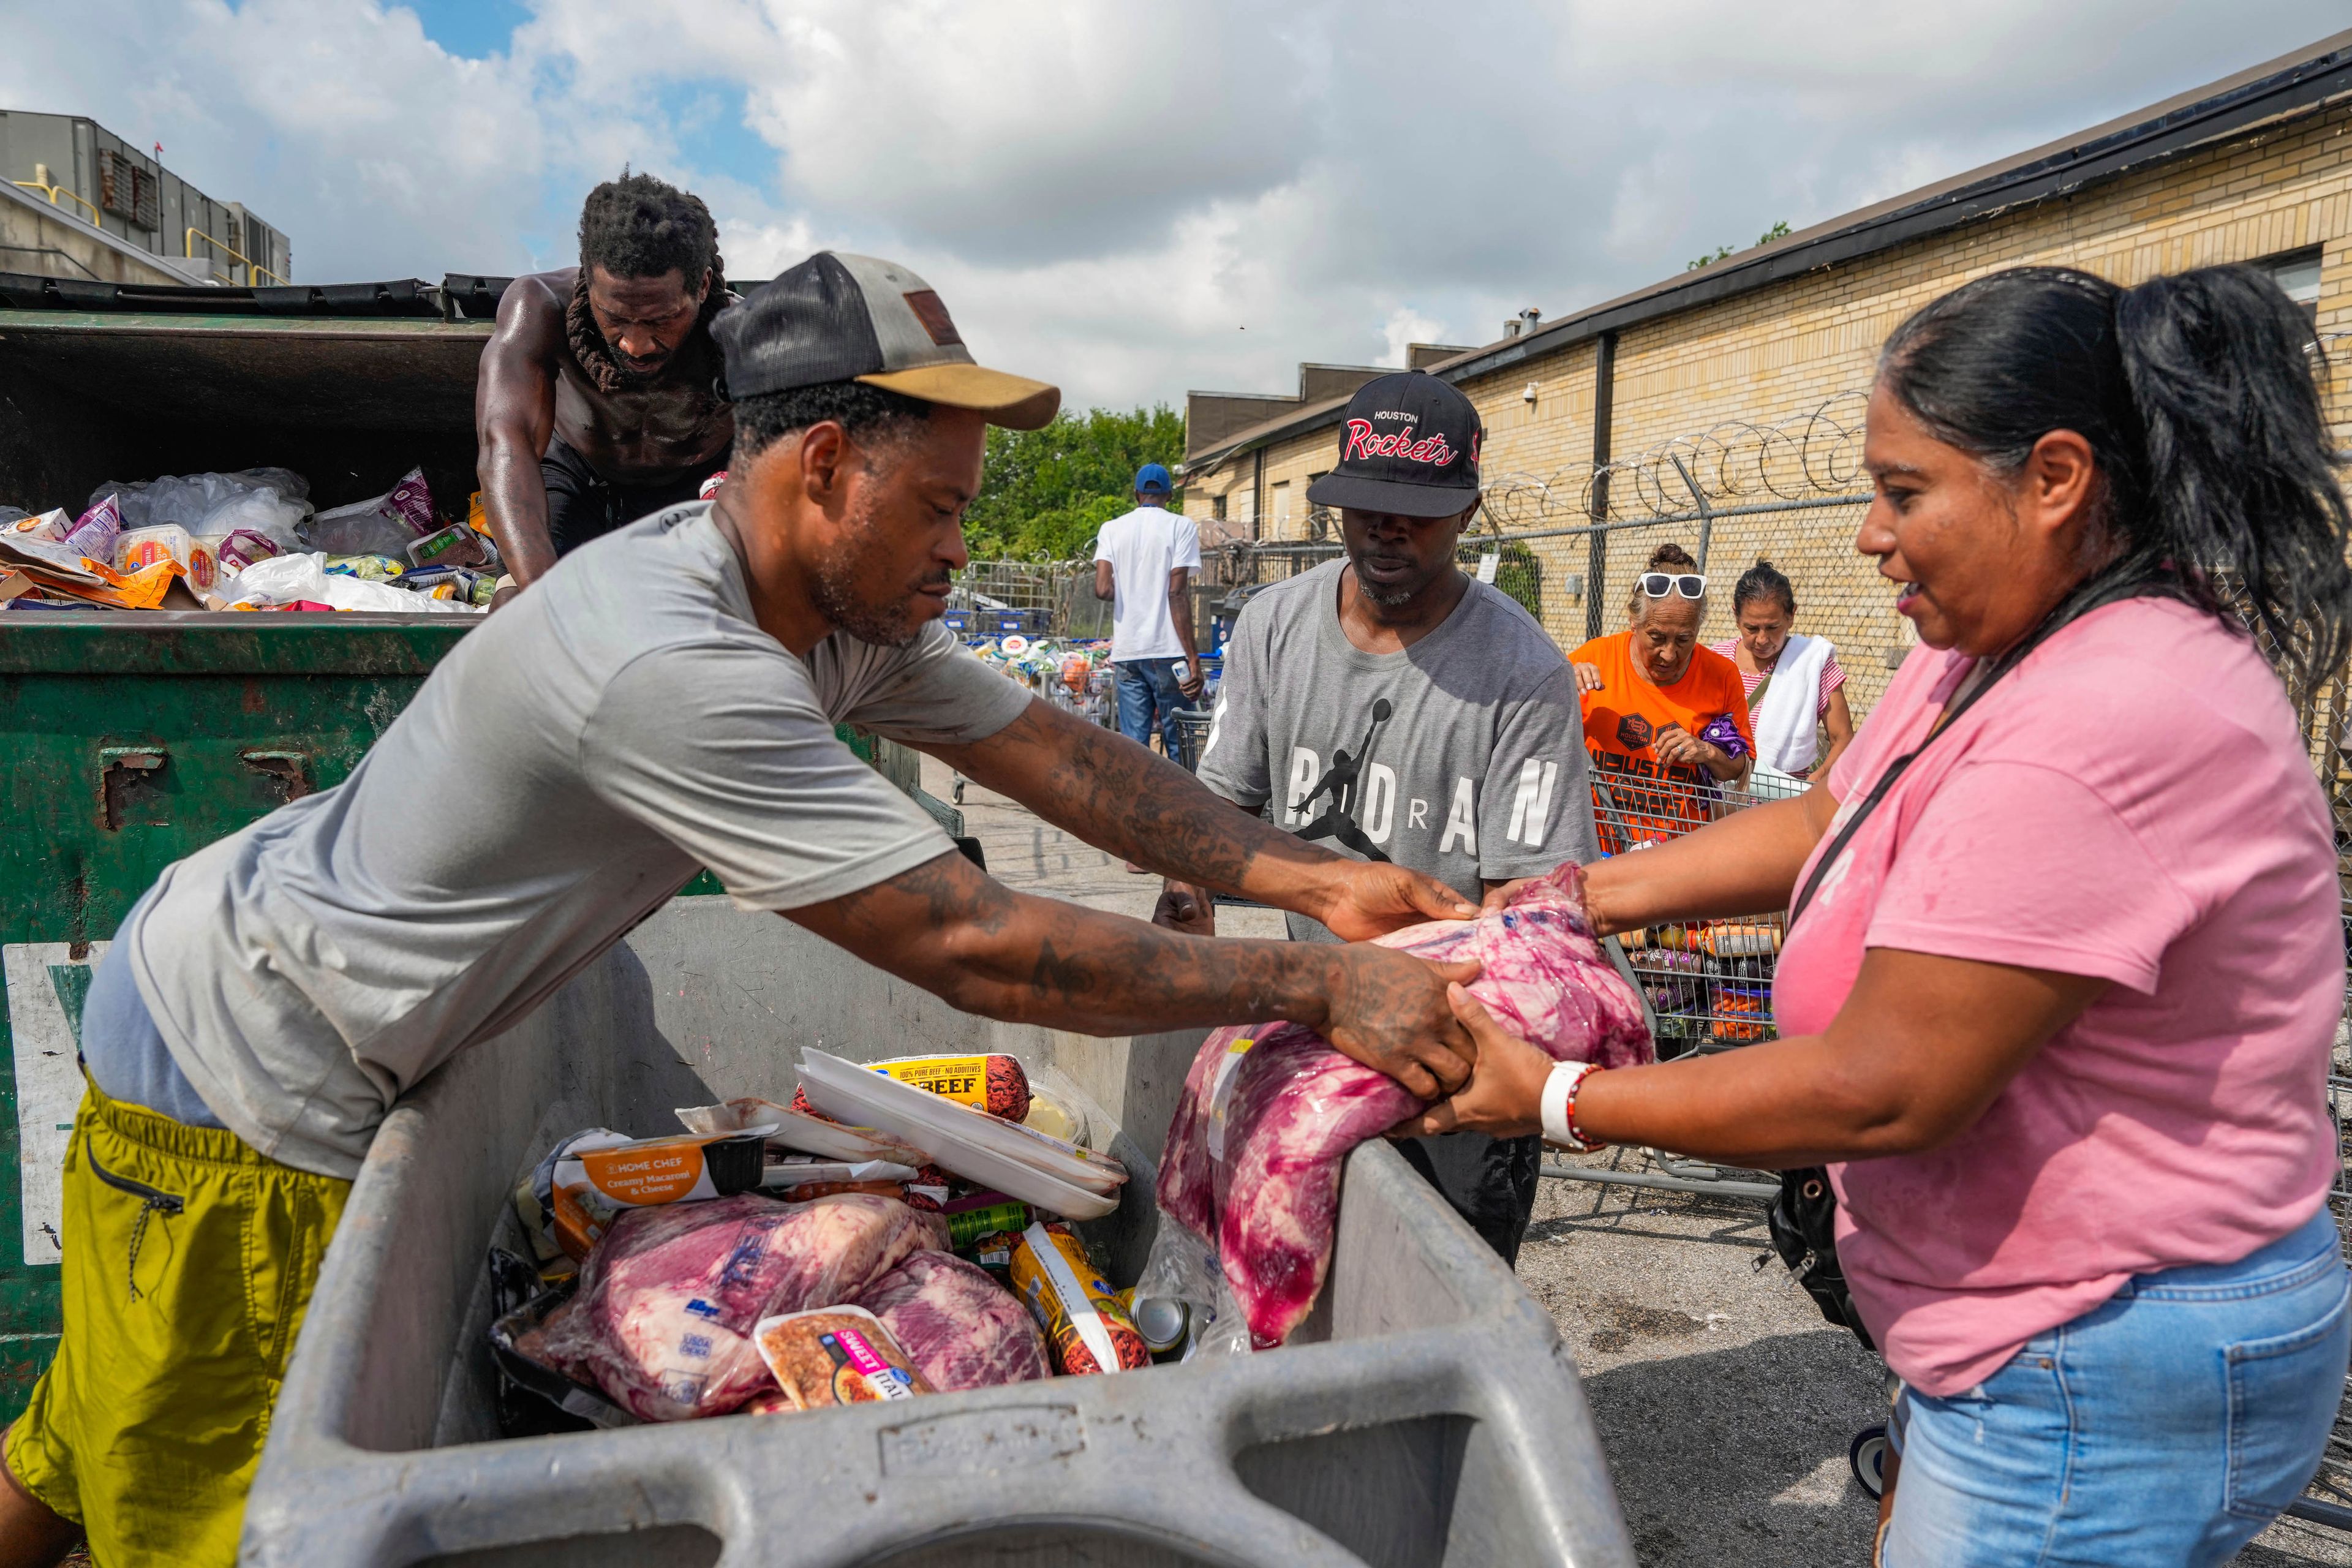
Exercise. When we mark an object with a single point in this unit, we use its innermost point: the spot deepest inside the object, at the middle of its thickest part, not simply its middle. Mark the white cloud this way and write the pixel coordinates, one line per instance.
(1406, 327)
(1129, 199)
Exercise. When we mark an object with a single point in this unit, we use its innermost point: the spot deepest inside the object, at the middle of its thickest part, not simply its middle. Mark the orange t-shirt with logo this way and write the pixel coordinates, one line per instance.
(1635, 796)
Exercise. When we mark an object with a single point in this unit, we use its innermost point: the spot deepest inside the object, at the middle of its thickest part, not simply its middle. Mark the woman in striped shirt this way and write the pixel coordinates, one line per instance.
(1795, 688)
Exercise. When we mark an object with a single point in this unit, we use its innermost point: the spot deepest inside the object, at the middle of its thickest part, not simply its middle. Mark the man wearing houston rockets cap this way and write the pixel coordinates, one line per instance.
(1392, 706)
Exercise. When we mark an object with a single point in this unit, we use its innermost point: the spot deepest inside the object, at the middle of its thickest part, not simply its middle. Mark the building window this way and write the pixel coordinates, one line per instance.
(2297, 275)
(1281, 509)
(1217, 507)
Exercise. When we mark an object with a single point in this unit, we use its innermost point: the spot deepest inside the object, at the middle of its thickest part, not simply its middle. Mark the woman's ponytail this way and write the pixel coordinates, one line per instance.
(2238, 489)
(2197, 395)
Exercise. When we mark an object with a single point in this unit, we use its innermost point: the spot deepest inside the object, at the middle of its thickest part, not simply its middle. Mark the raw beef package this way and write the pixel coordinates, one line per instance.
(962, 1328)
(667, 1302)
(1270, 1111)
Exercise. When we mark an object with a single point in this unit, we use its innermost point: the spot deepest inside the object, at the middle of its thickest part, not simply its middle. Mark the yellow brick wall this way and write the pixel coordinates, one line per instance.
(1774, 356)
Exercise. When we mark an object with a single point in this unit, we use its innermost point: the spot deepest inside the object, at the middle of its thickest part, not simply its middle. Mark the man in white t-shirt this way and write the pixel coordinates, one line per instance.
(1144, 563)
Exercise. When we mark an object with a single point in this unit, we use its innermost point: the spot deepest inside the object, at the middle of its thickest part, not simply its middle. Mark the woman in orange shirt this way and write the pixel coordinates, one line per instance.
(1665, 719)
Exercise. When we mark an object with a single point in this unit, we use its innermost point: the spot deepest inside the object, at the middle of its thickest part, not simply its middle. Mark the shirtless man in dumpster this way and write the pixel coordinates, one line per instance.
(598, 401)
(662, 700)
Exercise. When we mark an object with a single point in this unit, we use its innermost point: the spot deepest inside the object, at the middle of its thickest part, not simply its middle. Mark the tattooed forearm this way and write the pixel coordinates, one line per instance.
(949, 928)
(955, 930)
(1122, 799)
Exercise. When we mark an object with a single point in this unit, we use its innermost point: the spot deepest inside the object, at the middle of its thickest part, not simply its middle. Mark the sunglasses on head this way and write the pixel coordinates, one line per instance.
(1658, 584)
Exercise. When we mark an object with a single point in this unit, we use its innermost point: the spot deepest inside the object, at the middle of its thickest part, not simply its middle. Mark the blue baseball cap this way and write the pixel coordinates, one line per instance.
(1151, 479)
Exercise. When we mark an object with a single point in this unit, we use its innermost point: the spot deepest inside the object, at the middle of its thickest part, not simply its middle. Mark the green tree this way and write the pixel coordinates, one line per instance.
(1045, 494)
(1777, 231)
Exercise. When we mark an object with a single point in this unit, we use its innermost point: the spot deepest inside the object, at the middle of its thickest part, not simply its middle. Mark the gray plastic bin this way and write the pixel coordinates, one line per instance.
(1430, 1415)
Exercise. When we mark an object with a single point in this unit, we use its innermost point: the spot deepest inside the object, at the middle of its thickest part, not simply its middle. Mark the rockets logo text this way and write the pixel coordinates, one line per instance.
(1363, 443)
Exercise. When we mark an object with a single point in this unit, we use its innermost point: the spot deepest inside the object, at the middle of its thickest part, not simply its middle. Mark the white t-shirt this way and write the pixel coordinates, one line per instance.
(560, 775)
(1143, 548)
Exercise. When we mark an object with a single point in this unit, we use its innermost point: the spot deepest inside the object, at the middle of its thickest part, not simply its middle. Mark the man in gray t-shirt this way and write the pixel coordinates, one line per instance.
(662, 700)
(1459, 754)
(1393, 708)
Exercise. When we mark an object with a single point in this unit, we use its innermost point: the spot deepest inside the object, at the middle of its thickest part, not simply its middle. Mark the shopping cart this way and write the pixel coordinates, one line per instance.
(1192, 735)
(1706, 985)
(2328, 1498)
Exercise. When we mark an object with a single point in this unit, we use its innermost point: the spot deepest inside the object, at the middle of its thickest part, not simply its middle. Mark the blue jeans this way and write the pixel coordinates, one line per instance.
(2167, 1425)
(1146, 685)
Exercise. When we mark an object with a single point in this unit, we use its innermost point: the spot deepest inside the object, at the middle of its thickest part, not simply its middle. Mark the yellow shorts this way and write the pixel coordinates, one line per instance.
(189, 1259)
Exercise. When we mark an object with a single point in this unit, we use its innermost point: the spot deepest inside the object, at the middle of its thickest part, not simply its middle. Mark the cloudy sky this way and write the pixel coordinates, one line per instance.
(1130, 198)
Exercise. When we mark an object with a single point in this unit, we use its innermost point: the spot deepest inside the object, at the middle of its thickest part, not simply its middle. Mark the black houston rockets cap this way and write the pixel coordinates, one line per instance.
(1409, 444)
(855, 318)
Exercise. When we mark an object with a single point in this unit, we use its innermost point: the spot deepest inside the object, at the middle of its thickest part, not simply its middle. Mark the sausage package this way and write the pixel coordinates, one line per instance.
(996, 1084)
(1088, 1329)
(837, 1355)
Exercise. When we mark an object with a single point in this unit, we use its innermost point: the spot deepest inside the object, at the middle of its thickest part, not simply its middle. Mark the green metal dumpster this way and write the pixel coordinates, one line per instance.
(130, 740)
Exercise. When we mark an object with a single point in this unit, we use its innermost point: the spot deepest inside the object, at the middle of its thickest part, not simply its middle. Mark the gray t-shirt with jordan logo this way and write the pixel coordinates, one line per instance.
(1462, 756)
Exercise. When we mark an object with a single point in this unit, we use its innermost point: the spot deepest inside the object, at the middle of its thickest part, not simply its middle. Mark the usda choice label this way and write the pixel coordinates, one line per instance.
(46, 986)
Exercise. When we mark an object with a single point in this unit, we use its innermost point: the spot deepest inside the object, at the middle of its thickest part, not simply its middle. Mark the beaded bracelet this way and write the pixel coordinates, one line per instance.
(1559, 1108)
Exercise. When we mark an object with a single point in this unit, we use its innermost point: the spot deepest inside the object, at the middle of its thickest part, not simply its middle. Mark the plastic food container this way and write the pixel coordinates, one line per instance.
(1427, 1413)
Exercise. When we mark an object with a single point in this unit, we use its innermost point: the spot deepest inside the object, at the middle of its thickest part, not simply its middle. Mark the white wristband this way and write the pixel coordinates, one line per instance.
(1559, 1090)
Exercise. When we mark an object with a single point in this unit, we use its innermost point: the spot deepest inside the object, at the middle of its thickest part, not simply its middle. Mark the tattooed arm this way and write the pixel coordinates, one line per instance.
(949, 928)
(1124, 801)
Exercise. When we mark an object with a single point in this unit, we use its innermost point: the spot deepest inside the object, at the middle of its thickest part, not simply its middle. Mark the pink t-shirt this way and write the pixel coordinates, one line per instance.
(2133, 801)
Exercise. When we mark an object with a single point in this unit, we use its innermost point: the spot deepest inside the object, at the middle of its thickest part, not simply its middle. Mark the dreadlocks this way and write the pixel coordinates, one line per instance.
(639, 226)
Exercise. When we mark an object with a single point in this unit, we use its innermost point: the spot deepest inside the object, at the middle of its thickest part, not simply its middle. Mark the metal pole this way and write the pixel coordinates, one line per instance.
(1705, 514)
(1257, 496)
(2335, 1516)
(1596, 566)
(1661, 1183)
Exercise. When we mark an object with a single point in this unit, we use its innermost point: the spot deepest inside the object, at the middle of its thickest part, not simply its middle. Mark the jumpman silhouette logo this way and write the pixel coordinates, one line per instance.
(1340, 782)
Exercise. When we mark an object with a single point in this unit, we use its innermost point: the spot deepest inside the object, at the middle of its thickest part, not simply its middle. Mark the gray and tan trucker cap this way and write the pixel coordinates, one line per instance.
(857, 318)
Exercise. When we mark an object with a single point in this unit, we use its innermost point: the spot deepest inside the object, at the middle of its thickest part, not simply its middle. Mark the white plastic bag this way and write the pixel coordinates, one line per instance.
(283, 579)
(386, 525)
(270, 501)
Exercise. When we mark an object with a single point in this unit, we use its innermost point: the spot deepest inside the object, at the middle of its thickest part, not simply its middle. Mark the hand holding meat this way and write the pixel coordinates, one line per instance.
(1375, 898)
(1506, 1085)
(1390, 1013)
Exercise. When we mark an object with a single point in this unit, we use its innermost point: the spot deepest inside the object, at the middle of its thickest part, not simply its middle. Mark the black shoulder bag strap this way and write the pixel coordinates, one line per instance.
(1803, 1219)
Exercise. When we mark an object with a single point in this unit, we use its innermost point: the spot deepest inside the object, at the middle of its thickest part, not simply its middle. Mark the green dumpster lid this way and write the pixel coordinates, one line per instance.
(203, 642)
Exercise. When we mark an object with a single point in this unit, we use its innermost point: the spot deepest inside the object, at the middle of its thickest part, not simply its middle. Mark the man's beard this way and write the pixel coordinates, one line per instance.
(1387, 598)
(888, 622)
(629, 374)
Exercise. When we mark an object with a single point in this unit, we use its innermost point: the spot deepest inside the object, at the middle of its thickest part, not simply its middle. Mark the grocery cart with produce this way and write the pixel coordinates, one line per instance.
(1708, 984)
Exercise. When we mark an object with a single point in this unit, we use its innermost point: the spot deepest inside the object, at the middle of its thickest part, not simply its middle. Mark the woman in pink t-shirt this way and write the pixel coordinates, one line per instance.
(2065, 959)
